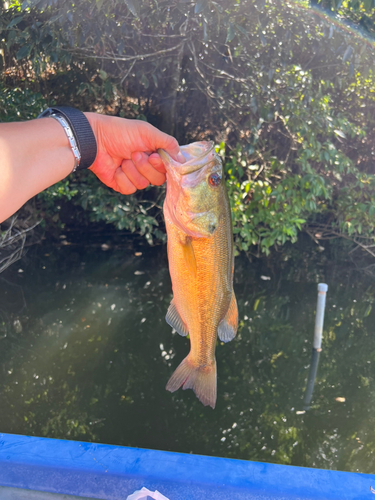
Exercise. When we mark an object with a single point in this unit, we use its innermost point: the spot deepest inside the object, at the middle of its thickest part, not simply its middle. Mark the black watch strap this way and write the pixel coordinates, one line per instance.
(82, 131)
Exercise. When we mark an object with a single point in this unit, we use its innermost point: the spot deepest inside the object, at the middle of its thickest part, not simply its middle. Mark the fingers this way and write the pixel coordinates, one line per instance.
(124, 185)
(155, 160)
(138, 173)
(133, 174)
(147, 169)
(127, 157)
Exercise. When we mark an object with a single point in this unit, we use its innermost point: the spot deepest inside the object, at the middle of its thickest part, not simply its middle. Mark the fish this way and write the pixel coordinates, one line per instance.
(200, 250)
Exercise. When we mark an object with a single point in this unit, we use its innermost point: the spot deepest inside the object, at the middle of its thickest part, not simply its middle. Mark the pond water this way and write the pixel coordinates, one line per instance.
(85, 354)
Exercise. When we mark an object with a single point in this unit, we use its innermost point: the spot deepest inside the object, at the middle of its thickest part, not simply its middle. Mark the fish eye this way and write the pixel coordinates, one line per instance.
(214, 179)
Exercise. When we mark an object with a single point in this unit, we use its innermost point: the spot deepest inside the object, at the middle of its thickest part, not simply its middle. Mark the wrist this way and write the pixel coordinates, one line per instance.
(50, 156)
(79, 133)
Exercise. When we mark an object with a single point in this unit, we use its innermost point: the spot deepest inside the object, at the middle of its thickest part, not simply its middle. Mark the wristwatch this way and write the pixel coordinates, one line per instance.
(79, 132)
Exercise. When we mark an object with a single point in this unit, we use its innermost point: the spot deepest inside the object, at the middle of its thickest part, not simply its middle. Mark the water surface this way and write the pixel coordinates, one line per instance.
(85, 354)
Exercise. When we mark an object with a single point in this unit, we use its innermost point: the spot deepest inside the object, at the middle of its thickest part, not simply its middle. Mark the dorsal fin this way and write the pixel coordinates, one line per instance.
(174, 320)
(228, 327)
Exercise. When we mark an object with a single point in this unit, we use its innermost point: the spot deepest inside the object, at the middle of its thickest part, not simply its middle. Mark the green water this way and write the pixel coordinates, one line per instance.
(85, 354)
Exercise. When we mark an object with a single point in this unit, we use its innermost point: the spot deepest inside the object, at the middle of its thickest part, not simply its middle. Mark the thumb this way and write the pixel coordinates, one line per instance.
(170, 146)
(175, 152)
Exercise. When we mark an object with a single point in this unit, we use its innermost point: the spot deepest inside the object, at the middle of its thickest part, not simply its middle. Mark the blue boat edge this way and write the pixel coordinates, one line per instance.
(113, 472)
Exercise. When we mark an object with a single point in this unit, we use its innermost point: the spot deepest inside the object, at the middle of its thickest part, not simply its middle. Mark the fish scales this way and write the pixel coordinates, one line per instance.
(200, 254)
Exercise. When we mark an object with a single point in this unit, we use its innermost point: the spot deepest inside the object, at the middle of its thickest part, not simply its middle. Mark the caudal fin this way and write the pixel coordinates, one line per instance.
(202, 379)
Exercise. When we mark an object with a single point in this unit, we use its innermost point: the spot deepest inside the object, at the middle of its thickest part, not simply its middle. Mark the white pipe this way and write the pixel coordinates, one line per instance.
(319, 319)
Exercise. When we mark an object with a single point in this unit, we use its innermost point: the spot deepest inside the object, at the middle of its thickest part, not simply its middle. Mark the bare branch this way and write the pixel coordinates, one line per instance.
(192, 50)
(13, 241)
(114, 57)
(128, 72)
(328, 233)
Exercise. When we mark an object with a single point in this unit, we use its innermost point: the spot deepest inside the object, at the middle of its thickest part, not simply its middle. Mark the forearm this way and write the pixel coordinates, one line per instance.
(33, 156)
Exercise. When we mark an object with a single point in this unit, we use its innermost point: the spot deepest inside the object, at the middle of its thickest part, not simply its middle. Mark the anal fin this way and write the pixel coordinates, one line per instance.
(173, 319)
(228, 327)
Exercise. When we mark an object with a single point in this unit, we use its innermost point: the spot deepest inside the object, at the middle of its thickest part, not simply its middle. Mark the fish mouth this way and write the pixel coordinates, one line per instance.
(196, 155)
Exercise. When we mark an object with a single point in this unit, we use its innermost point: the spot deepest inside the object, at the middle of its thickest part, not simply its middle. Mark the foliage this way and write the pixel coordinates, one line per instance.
(272, 198)
(101, 204)
(285, 86)
(19, 104)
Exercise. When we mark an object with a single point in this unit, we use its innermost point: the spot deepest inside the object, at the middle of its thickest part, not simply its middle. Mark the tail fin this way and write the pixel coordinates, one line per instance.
(202, 379)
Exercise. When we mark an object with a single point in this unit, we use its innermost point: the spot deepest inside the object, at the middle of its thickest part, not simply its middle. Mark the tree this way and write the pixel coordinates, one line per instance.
(284, 89)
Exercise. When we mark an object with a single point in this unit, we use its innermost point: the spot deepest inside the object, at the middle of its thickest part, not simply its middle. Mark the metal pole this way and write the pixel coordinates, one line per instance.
(317, 343)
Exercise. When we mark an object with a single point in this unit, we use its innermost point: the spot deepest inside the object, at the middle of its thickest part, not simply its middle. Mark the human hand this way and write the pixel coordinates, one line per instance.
(127, 158)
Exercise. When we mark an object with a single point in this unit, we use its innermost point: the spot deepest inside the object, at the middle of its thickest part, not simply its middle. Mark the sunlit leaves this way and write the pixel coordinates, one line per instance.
(18, 104)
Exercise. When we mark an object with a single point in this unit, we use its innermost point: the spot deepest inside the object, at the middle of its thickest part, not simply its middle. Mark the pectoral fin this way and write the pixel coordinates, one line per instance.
(228, 327)
(174, 320)
(189, 255)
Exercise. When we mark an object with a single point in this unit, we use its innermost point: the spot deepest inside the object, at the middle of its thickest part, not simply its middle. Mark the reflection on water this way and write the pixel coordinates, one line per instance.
(86, 353)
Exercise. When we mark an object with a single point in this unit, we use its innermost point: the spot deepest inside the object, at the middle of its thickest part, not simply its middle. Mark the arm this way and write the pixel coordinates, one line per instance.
(36, 154)
(33, 156)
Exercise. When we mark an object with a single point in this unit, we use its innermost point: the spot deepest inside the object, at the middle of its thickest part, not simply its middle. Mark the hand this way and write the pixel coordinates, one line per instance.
(127, 158)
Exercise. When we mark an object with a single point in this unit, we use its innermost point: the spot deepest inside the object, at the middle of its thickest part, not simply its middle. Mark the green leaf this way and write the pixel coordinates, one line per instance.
(205, 34)
(242, 30)
(155, 80)
(231, 33)
(144, 81)
(14, 21)
(33, 3)
(99, 4)
(347, 54)
(200, 6)
(133, 6)
(368, 4)
(340, 133)
(23, 52)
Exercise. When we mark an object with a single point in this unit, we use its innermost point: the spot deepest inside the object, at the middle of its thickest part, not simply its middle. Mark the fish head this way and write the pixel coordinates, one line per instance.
(195, 189)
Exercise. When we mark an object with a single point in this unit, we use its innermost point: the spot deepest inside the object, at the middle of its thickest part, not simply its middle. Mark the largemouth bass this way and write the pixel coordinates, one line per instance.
(201, 260)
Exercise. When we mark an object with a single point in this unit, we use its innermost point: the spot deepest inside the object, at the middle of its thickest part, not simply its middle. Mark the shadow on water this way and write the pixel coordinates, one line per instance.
(86, 353)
